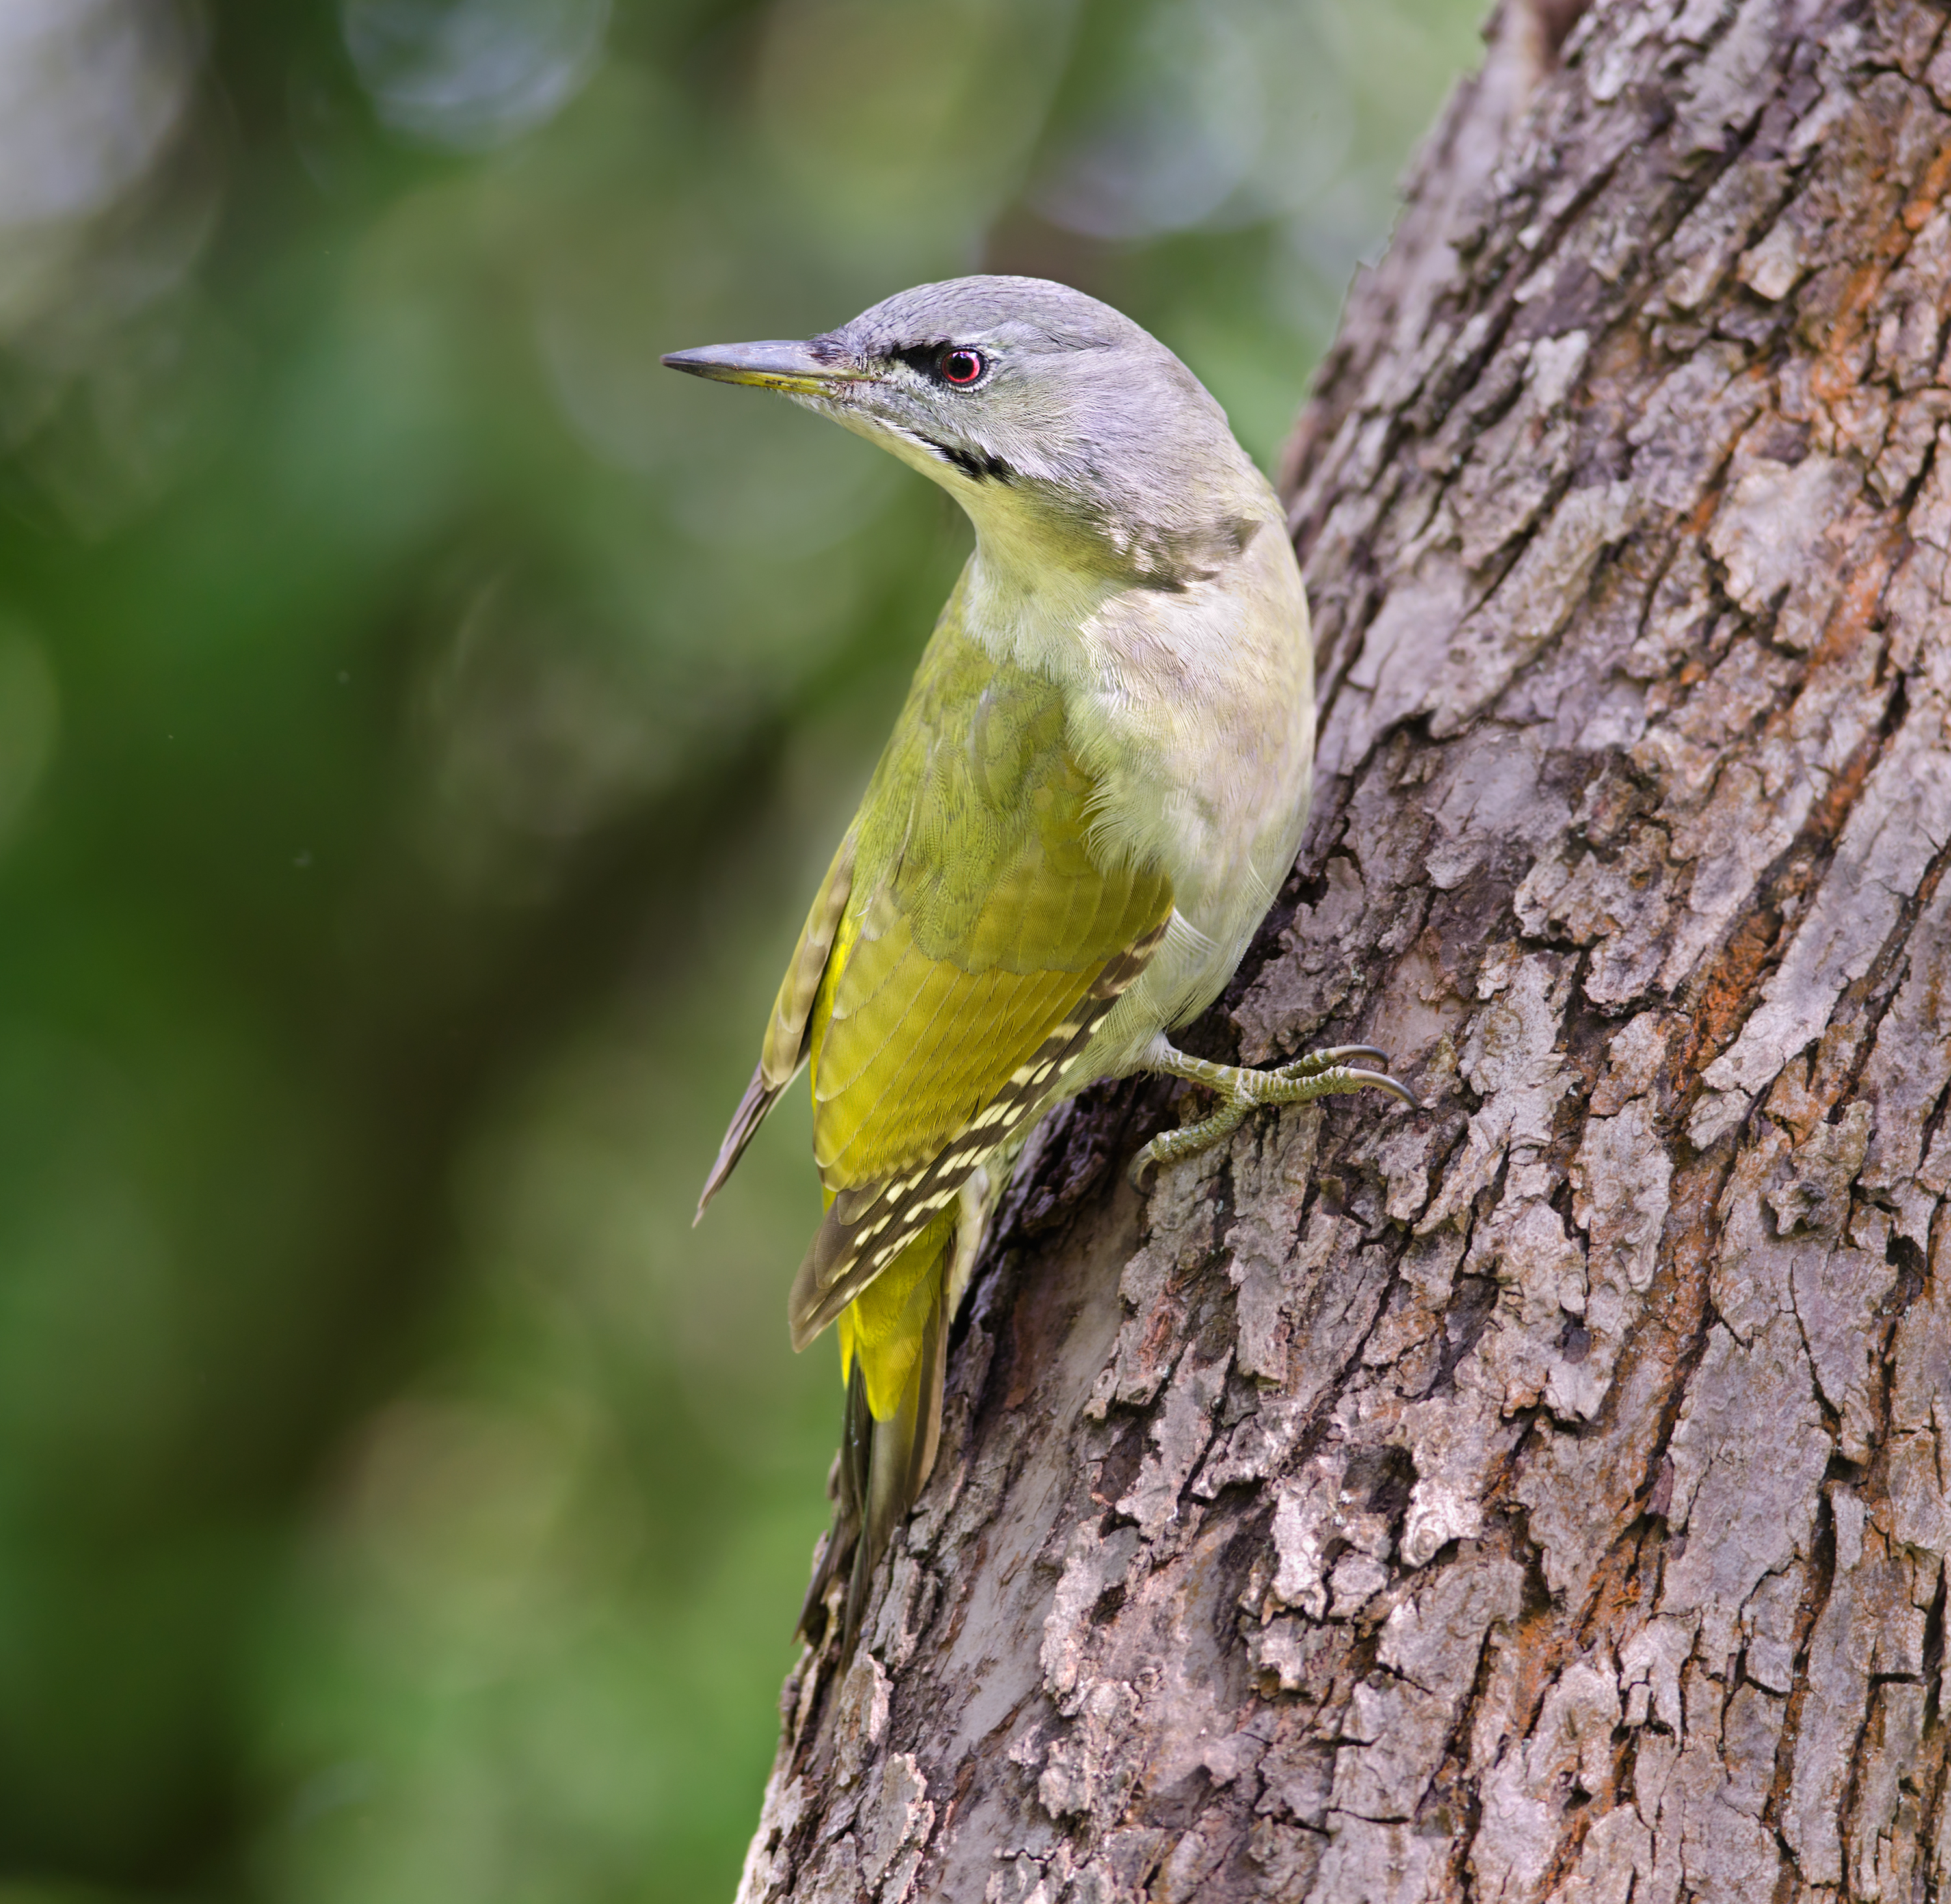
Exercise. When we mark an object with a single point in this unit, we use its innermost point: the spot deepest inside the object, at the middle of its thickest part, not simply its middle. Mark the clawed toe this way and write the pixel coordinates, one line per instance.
(1394, 1086)
(1172, 1146)
(1313, 1064)
(1314, 1074)
(1310, 1062)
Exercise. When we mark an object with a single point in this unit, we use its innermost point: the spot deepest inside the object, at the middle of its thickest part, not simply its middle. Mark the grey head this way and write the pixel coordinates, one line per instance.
(1044, 412)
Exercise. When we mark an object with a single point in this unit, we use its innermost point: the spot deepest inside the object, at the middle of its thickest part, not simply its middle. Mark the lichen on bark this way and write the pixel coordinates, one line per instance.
(1546, 1496)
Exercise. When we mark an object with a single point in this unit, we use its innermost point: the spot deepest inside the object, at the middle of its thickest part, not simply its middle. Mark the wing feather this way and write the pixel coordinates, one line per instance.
(923, 1065)
(868, 1226)
(968, 941)
(787, 1032)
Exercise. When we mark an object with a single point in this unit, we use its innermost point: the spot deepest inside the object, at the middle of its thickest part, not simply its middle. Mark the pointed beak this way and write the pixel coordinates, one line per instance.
(778, 366)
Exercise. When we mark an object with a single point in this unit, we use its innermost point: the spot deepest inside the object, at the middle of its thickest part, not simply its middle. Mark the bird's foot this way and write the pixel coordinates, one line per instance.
(1317, 1074)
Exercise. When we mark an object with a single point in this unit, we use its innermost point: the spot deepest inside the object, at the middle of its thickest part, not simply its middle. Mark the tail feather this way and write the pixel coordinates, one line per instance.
(883, 1466)
(760, 1096)
(857, 1443)
(904, 1454)
(884, 1463)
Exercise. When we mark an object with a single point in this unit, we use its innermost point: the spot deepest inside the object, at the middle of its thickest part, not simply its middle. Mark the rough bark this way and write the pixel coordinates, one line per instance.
(1547, 1497)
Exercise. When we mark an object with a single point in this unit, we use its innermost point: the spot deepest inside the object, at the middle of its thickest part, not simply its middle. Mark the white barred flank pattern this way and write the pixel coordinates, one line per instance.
(868, 1226)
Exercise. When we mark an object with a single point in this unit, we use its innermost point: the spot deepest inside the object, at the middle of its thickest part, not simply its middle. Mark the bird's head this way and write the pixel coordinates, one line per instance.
(1049, 416)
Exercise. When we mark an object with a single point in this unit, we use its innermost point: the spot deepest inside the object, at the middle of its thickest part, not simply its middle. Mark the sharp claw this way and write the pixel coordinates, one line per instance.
(1311, 1061)
(1362, 1051)
(1393, 1086)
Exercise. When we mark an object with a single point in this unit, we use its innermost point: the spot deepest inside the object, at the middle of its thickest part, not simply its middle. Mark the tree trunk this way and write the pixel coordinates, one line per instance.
(1543, 1496)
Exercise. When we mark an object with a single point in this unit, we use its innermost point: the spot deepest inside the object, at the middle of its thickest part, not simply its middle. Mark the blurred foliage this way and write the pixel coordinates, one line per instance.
(422, 722)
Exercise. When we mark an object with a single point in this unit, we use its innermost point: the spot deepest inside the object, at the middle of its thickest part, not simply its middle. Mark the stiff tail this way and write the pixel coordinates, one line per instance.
(884, 1463)
(856, 1444)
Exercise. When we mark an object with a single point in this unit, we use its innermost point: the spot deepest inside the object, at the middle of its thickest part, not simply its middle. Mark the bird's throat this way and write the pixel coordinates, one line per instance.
(1029, 597)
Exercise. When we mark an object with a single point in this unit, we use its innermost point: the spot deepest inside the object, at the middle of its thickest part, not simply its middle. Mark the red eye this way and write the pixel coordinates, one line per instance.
(961, 366)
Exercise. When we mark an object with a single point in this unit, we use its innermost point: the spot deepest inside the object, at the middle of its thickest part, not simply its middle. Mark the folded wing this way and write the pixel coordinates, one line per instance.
(984, 939)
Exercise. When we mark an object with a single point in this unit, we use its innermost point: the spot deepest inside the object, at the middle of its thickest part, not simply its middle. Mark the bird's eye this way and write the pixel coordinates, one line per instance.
(961, 366)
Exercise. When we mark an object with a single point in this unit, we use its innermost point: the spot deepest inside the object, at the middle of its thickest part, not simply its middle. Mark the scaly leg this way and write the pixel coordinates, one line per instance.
(1318, 1074)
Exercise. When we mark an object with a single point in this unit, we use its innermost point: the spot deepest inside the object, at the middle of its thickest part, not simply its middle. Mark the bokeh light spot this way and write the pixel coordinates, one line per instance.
(471, 74)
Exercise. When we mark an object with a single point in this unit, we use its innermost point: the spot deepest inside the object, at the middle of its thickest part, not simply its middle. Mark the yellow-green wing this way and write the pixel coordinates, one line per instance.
(981, 942)
(787, 1033)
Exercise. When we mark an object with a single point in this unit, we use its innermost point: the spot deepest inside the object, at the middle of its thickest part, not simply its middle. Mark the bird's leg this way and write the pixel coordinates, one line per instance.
(1318, 1074)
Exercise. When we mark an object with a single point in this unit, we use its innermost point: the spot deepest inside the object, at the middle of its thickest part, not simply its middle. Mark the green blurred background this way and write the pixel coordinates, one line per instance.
(423, 720)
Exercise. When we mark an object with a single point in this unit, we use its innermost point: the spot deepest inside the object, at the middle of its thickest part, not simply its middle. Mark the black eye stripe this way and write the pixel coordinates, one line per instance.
(939, 362)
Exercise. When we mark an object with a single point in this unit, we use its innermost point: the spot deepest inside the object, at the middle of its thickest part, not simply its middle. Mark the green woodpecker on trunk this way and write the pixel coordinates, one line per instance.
(1094, 793)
